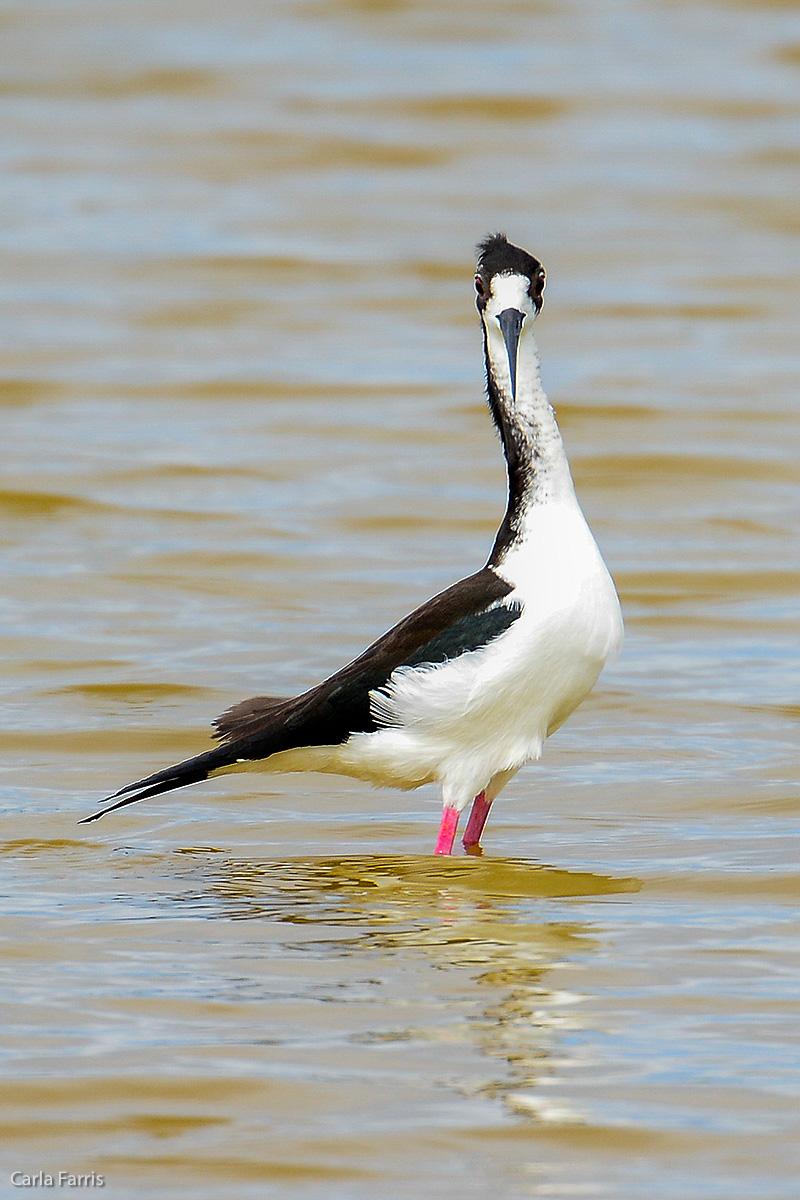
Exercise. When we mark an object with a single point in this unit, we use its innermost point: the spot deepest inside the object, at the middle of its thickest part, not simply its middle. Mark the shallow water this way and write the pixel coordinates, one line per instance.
(240, 390)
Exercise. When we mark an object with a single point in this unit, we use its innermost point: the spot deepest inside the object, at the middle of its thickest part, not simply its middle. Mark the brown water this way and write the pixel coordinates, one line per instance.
(242, 434)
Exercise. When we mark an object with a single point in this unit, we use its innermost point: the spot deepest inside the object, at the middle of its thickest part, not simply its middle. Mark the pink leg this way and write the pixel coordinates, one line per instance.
(447, 831)
(477, 820)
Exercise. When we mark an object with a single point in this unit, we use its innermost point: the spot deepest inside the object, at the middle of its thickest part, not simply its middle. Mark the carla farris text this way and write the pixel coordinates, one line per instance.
(64, 1179)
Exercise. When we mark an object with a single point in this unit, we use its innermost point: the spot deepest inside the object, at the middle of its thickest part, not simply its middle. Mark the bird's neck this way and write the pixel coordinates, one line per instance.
(538, 471)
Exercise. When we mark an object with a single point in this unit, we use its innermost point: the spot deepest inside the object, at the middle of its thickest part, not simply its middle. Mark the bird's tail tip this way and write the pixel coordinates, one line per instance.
(193, 770)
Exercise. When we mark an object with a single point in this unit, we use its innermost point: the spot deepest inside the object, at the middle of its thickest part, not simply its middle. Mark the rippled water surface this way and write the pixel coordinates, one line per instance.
(243, 433)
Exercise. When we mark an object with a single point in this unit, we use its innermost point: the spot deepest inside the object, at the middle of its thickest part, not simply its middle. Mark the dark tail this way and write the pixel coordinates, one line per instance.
(193, 770)
(253, 729)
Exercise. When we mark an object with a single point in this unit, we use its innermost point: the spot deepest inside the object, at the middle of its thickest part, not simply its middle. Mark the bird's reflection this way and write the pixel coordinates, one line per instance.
(483, 916)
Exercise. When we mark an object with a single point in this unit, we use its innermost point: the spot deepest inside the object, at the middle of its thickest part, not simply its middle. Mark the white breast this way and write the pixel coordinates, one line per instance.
(559, 575)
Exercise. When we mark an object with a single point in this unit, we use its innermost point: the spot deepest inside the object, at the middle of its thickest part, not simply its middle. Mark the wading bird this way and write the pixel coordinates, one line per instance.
(465, 689)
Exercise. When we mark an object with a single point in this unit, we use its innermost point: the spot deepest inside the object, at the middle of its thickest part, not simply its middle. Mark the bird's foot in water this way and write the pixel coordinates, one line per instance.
(472, 834)
(481, 808)
(447, 830)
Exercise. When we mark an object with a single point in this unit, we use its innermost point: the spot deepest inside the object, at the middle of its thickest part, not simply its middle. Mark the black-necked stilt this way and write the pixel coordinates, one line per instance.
(466, 688)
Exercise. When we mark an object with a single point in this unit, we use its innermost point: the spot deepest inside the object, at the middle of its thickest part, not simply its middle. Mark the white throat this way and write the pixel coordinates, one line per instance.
(538, 467)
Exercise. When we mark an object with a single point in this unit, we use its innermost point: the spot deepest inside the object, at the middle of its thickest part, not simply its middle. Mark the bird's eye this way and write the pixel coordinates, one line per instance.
(479, 288)
(537, 284)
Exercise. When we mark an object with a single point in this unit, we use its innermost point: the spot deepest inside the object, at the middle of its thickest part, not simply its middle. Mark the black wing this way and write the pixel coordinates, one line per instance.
(464, 617)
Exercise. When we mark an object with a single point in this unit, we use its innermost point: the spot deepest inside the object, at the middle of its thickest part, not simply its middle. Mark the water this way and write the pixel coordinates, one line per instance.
(240, 389)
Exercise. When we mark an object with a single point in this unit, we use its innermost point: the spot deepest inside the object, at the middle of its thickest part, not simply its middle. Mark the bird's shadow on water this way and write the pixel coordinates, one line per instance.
(361, 887)
(499, 921)
(402, 900)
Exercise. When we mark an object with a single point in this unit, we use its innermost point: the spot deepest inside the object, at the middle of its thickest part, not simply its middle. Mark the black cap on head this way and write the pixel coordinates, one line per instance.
(496, 256)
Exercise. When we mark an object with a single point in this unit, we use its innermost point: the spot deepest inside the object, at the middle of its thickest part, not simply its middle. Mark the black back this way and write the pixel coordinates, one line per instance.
(464, 617)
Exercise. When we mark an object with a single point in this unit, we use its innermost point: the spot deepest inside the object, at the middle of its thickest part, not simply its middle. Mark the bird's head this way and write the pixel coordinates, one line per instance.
(509, 290)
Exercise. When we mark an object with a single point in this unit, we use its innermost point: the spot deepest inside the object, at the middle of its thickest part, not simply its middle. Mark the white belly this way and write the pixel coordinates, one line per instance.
(466, 721)
(489, 711)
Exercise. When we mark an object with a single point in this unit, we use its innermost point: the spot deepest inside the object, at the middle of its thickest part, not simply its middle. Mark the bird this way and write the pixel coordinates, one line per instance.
(464, 691)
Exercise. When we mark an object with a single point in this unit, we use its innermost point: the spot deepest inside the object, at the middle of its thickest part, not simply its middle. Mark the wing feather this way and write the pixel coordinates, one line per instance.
(328, 713)
(463, 616)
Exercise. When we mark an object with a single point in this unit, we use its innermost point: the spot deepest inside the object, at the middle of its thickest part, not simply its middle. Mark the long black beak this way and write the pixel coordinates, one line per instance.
(510, 322)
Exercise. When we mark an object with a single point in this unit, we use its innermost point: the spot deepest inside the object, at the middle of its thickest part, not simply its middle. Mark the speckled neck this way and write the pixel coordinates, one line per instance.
(538, 471)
